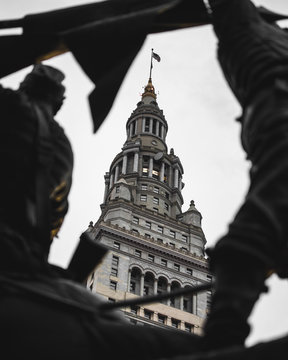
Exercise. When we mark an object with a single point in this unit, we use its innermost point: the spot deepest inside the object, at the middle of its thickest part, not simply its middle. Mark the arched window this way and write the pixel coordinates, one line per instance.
(135, 281)
(162, 287)
(188, 302)
(148, 284)
(175, 301)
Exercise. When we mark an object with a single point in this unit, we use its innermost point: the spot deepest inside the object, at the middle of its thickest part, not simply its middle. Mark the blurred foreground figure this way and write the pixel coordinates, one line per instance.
(253, 54)
(44, 312)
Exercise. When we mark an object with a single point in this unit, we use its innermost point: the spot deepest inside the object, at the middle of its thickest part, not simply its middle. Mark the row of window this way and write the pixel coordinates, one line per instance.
(159, 229)
(150, 257)
(163, 262)
(156, 190)
(150, 315)
(159, 240)
(143, 198)
(149, 125)
(115, 264)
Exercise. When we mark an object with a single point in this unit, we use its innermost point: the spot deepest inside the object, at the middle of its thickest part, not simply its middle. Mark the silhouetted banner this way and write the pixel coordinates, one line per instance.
(116, 28)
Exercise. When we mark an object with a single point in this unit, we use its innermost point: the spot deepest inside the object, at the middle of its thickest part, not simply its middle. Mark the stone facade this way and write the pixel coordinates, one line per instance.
(154, 247)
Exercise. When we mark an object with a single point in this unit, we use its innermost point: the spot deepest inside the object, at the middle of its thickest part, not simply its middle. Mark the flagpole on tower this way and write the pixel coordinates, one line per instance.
(151, 65)
(156, 57)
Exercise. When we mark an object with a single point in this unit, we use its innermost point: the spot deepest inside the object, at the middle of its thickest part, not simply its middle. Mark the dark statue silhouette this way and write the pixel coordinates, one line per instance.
(46, 311)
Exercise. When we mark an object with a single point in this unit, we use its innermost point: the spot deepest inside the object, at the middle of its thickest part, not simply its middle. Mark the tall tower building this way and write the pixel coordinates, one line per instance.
(154, 246)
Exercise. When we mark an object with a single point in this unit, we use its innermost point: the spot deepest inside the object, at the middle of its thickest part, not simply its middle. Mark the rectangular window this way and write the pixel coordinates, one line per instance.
(113, 285)
(143, 197)
(115, 261)
(144, 187)
(147, 125)
(161, 319)
(189, 271)
(116, 245)
(160, 229)
(166, 206)
(163, 262)
(184, 248)
(145, 171)
(172, 244)
(151, 257)
(160, 240)
(134, 309)
(155, 174)
(137, 253)
(147, 314)
(175, 323)
(114, 272)
(135, 232)
(135, 220)
(188, 327)
(147, 235)
(155, 201)
(155, 209)
(209, 299)
(184, 238)
(167, 195)
(177, 267)
(156, 189)
(148, 224)
(172, 233)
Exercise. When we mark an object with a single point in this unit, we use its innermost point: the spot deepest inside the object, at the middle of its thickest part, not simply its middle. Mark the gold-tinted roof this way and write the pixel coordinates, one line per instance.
(149, 90)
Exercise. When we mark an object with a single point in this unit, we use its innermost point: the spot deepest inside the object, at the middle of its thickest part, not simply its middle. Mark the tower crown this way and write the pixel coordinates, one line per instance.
(149, 90)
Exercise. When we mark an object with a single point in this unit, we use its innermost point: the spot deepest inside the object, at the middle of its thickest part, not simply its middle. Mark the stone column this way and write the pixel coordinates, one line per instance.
(162, 132)
(129, 280)
(181, 302)
(155, 316)
(180, 183)
(124, 164)
(143, 124)
(130, 130)
(168, 289)
(176, 175)
(116, 173)
(194, 304)
(106, 177)
(162, 171)
(111, 181)
(142, 285)
(141, 311)
(169, 321)
(157, 128)
(151, 125)
(135, 164)
(150, 167)
(155, 286)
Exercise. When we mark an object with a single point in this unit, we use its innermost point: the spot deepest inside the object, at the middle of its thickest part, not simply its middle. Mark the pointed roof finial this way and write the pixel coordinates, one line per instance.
(149, 90)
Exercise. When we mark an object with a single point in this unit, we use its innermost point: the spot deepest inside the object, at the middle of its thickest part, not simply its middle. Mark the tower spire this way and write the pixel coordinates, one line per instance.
(149, 88)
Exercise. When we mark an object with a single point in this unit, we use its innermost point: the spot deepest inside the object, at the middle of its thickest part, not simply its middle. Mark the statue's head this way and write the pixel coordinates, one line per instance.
(44, 83)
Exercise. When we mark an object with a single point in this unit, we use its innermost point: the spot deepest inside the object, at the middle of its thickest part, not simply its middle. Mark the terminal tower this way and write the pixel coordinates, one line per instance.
(154, 246)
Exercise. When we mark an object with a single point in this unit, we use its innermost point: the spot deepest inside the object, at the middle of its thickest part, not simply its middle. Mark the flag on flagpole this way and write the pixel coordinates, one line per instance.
(156, 56)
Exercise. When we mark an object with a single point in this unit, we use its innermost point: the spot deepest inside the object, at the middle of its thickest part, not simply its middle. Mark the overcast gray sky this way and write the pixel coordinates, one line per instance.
(200, 111)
